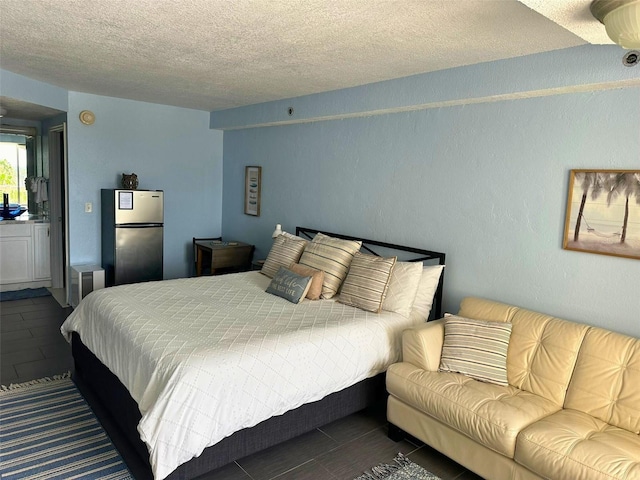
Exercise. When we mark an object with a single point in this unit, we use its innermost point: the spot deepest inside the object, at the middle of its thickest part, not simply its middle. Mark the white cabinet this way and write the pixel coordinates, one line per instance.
(16, 253)
(25, 258)
(41, 252)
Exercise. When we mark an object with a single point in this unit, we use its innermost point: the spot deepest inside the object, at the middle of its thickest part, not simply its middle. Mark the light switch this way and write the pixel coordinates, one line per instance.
(88, 207)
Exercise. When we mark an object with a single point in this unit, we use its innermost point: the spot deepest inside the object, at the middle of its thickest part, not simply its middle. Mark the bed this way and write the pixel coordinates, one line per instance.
(199, 372)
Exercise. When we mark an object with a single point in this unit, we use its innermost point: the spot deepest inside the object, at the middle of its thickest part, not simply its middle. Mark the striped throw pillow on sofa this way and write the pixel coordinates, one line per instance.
(476, 348)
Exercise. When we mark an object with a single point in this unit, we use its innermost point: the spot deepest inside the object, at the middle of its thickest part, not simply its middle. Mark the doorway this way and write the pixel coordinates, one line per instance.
(58, 211)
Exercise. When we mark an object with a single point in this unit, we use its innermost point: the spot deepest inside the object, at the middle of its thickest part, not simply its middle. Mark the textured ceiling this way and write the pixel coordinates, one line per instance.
(575, 16)
(26, 111)
(218, 54)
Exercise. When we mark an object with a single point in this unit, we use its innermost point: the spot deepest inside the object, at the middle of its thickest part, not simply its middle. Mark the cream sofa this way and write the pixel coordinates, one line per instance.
(571, 409)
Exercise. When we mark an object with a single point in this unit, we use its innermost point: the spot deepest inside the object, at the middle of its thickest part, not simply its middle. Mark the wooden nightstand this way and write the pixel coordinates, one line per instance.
(257, 264)
(226, 257)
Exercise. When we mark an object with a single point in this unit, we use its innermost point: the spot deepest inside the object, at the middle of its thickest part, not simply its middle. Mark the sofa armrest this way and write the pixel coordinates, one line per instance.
(422, 345)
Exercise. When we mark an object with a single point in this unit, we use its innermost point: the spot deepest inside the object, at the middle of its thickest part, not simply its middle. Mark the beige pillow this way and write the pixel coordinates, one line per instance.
(367, 282)
(294, 237)
(476, 348)
(317, 278)
(423, 301)
(331, 255)
(283, 253)
(403, 286)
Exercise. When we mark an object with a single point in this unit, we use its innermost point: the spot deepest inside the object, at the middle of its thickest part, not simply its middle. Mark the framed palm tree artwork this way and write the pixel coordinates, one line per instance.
(603, 212)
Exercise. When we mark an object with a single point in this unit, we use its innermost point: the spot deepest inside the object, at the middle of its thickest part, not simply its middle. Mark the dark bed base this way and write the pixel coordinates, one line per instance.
(115, 398)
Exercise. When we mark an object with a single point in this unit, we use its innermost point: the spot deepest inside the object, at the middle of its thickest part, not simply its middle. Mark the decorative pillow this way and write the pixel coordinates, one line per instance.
(331, 255)
(426, 290)
(476, 348)
(283, 253)
(367, 282)
(317, 277)
(403, 286)
(289, 285)
(294, 237)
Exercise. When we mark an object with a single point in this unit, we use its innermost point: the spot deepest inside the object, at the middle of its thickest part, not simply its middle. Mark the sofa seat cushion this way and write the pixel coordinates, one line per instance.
(570, 444)
(542, 349)
(606, 382)
(490, 414)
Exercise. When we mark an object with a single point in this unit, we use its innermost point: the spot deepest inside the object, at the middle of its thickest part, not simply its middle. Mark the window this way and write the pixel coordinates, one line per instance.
(13, 171)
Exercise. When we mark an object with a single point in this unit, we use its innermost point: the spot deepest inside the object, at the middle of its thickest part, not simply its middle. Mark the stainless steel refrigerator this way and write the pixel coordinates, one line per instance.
(132, 235)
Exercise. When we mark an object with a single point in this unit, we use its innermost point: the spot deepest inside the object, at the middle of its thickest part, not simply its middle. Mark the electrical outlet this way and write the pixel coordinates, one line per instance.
(88, 207)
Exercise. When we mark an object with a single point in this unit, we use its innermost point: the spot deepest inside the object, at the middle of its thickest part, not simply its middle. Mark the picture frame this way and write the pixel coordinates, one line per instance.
(603, 212)
(252, 190)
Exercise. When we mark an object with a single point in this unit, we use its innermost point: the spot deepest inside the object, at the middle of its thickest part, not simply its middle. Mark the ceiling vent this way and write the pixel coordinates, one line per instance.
(631, 58)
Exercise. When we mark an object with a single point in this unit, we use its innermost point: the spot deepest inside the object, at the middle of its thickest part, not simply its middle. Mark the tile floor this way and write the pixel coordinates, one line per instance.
(32, 347)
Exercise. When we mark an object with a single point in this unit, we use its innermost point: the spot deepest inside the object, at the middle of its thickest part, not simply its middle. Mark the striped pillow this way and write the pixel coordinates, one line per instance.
(331, 255)
(367, 282)
(476, 348)
(283, 253)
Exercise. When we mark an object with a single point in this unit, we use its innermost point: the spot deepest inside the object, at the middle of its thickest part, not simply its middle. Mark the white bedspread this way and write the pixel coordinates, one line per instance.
(205, 357)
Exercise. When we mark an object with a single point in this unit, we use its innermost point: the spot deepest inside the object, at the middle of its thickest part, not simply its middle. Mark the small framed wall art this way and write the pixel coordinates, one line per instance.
(603, 212)
(252, 188)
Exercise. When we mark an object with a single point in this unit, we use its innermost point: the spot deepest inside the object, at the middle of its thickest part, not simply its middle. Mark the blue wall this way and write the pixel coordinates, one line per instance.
(169, 148)
(483, 178)
(26, 89)
(473, 161)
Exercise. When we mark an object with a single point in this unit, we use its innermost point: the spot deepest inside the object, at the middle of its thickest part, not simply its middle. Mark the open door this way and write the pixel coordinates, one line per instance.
(58, 209)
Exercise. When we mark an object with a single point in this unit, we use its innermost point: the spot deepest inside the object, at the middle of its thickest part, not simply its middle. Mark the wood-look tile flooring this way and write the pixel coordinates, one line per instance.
(31, 347)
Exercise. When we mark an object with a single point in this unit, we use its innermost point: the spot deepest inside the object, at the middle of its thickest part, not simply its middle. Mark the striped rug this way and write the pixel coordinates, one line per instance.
(47, 431)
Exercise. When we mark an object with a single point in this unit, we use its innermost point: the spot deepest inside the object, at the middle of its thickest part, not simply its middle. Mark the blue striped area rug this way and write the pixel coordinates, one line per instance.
(48, 431)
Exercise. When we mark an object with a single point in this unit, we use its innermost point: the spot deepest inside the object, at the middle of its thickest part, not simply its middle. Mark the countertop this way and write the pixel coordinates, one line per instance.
(25, 219)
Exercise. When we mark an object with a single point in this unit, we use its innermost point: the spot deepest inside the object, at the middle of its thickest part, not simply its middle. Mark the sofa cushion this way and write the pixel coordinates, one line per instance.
(606, 381)
(489, 310)
(571, 444)
(422, 345)
(542, 350)
(490, 414)
(476, 348)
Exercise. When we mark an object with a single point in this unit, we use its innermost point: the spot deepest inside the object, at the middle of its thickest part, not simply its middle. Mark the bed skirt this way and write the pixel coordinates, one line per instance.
(115, 398)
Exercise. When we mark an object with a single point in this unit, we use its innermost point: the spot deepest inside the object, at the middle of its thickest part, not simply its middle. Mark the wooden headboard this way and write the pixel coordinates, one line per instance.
(410, 254)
